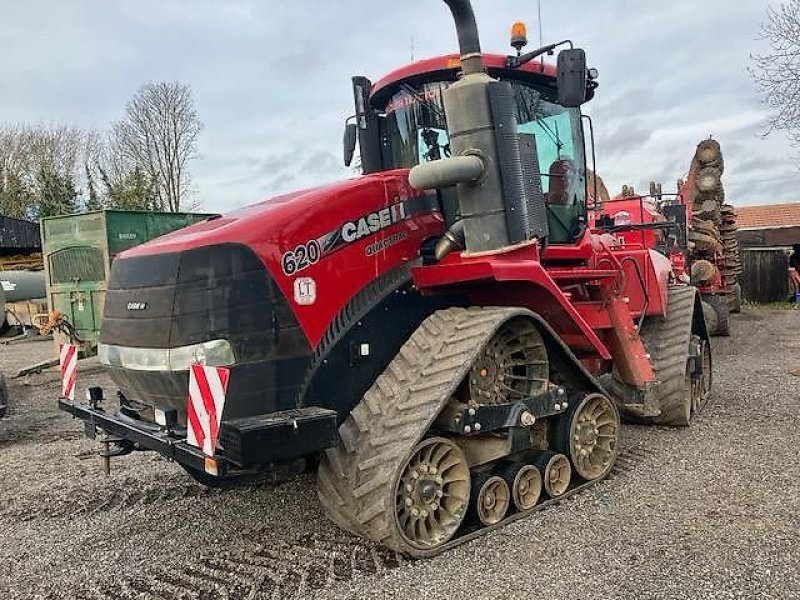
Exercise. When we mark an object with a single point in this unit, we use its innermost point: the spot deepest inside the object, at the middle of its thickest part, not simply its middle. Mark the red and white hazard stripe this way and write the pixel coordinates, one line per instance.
(207, 387)
(68, 363)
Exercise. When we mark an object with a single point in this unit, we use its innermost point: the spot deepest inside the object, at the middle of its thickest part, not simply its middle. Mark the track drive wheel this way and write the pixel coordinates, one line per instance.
(721, 308)
(589, 434)
(513, 365)
(491, 498)
(433, 492)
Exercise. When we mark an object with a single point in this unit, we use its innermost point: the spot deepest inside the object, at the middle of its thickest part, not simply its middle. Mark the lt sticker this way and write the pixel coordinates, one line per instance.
(305, 291)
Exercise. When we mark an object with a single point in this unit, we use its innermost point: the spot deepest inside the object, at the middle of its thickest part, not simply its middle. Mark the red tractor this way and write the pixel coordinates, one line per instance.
(434, 333)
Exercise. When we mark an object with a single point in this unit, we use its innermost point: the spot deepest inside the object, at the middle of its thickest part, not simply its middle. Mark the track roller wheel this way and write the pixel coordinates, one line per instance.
(589, 434)
(491, 498)
(432, 493)
(525, 482)
(556, 473)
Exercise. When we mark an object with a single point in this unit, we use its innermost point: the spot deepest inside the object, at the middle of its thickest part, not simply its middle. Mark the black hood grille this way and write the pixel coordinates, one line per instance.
(207, 293)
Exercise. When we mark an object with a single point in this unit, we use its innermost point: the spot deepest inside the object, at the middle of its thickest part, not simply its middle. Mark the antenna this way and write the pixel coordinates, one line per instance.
(412, 48)
(539, 10)
(541, 35)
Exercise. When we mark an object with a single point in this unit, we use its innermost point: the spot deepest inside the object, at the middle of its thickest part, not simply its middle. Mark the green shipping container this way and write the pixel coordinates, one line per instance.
(78, 250)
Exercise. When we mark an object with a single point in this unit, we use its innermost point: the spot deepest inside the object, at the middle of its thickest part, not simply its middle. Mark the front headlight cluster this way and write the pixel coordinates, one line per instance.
(216, 353)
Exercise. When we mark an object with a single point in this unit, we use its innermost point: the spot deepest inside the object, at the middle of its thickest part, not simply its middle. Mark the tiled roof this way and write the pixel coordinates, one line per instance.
(767, 216)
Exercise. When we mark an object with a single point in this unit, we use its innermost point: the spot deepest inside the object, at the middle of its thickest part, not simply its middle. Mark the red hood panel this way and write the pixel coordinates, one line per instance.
(359, 229)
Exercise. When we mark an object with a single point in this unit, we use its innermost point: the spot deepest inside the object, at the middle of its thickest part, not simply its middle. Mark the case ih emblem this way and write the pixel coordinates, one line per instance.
(137, 306)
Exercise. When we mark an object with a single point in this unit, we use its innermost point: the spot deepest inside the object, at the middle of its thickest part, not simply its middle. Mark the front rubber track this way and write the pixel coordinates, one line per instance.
(358, 477)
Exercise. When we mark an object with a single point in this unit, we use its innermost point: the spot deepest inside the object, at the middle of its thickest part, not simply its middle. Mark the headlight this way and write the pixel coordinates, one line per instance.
(216, 353)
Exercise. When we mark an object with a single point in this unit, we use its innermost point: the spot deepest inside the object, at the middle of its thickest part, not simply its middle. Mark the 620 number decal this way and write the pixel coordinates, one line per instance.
(301, 257)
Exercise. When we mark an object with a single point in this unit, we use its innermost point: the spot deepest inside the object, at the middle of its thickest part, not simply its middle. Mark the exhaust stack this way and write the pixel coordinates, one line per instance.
(482, 125)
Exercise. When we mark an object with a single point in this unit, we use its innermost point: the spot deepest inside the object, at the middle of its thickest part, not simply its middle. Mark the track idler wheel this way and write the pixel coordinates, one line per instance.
(491, 498)
(589, 434)
(556, 473)
(525, 482)
(432, 494)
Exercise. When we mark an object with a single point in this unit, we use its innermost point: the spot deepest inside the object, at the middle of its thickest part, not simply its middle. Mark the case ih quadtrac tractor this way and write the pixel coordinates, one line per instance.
(434, 332)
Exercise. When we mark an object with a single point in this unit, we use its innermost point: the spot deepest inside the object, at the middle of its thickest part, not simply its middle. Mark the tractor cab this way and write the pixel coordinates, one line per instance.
(401, 123)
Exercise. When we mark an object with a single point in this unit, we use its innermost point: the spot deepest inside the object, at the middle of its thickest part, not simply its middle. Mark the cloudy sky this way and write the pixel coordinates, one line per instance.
(271, 79)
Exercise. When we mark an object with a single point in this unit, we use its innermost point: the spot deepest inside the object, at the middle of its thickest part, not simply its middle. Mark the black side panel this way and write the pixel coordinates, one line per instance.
(379, 321)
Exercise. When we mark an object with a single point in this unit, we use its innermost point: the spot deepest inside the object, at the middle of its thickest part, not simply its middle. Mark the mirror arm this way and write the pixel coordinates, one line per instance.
(513, 62)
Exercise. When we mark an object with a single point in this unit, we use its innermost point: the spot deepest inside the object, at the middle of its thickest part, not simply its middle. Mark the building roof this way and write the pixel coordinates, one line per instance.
(768, 216)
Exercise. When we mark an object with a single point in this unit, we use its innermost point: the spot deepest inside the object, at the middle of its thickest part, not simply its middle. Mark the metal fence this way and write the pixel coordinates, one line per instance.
(764, 277)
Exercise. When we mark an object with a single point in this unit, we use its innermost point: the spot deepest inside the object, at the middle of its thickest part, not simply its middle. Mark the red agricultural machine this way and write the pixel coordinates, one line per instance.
(434, 333)
(701, 241)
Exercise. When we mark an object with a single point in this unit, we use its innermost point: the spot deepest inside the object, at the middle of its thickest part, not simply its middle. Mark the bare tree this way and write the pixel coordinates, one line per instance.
(159, 136)
(777, 72)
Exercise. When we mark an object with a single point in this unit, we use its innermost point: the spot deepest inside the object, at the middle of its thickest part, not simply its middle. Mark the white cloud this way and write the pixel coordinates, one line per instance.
(271, 80)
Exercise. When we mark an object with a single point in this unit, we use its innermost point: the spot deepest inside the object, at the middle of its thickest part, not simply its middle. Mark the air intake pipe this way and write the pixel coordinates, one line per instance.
(486, 166)
(469, 43)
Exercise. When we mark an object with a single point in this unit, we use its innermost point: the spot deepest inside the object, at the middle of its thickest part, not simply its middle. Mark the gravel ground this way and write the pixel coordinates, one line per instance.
(708, 512)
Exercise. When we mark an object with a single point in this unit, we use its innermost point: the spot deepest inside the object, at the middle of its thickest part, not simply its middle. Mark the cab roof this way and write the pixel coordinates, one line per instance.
(443, 68)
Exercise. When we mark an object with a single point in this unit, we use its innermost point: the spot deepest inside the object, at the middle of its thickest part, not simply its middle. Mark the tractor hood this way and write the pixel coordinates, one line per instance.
(270, 224)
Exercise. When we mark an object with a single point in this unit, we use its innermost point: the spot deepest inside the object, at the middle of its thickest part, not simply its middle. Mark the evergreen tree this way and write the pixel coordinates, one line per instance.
(134, 190)
(57, 194)
(93, 200)
(15, 196)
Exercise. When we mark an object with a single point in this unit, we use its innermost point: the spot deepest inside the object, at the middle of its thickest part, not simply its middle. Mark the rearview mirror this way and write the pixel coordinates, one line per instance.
(572, 77)
(349, 143)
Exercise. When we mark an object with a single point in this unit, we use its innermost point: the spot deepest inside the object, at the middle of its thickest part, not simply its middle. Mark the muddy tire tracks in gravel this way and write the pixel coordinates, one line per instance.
(282, 569)
(86, 502)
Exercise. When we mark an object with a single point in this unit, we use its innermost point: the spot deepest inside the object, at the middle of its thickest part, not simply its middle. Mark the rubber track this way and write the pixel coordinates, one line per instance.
(721, 306)
(667, 341)
(357, 477)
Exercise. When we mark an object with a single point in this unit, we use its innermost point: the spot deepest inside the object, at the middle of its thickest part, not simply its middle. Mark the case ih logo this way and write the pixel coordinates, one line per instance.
(373, 222)
(137, 305)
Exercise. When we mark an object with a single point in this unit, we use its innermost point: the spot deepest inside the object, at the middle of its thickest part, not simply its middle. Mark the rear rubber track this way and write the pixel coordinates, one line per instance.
(667, 340)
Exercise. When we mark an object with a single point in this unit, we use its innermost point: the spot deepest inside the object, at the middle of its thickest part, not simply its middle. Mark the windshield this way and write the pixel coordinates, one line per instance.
(416, 132)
